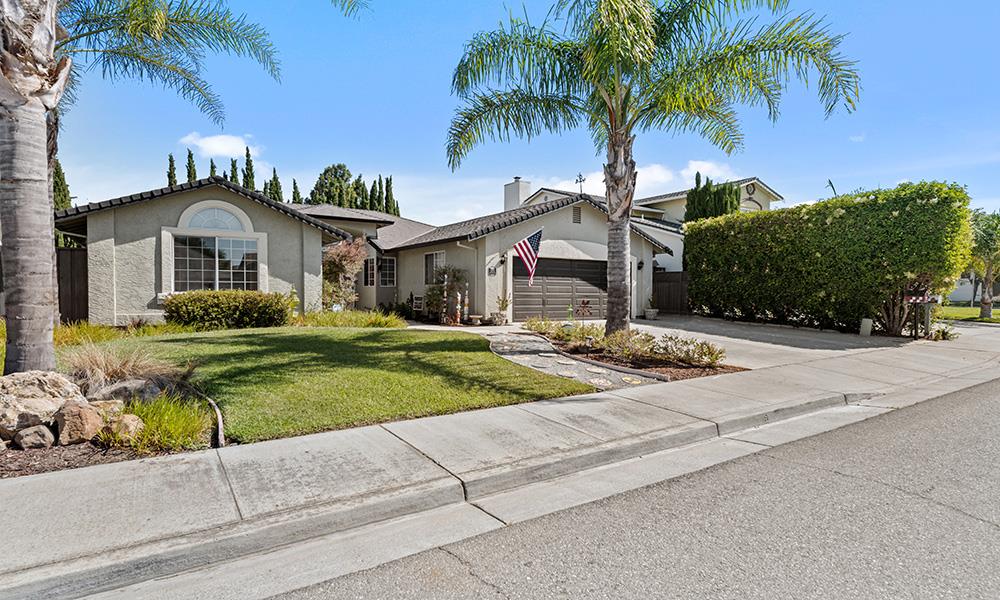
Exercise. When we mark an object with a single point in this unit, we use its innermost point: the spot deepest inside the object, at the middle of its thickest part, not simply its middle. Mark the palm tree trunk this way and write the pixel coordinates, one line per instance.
(26, 226)
(619, 179)
(986, 296)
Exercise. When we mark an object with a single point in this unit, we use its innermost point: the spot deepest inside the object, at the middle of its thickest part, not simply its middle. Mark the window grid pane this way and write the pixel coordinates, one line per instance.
(208, 263)
(387, 274)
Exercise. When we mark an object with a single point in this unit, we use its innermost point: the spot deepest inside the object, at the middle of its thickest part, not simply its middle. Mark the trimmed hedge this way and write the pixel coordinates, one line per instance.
(831, 263)
(228, 309)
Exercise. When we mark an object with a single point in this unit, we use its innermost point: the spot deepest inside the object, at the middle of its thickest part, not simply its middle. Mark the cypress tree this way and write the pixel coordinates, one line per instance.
(171, 171)
(708, 200)
(330, 186)
(211, 168)
(192, 169)
(248, 175)
(360, 193)
(380, 206)
(60, 189)
(267, 188)
(275, 187)
(234, 172)
(373, 197)
(296, 195)
(390, 200)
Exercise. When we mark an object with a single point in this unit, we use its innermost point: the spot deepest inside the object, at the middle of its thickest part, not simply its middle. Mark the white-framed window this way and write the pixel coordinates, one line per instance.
(213, 263)
(432, 262)
(387, 272)
(369, 273)
(214, 247)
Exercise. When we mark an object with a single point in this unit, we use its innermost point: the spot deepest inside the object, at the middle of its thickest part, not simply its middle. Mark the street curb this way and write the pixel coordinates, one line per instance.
(170, 556)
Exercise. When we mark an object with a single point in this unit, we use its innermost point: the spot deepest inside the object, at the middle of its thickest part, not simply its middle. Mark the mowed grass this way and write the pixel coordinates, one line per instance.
(967, 313)
(273, 383)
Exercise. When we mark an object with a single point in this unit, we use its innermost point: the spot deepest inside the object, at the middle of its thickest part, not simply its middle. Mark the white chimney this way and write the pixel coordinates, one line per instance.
(515, 193)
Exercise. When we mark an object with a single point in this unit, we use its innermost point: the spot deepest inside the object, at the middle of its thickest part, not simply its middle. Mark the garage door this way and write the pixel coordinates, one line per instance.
(560, 284)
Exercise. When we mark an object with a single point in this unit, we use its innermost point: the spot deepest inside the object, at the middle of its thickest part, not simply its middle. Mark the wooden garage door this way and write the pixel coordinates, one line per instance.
(559, 284)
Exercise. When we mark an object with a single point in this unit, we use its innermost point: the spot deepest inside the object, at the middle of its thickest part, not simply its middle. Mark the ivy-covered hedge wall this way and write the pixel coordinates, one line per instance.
(831, 263)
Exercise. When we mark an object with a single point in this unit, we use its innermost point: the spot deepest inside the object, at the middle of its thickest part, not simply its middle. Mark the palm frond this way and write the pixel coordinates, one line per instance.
(176, 34)
(680, 19)
(755, 65)
(519, 55)
(351, 8)
(502, 115)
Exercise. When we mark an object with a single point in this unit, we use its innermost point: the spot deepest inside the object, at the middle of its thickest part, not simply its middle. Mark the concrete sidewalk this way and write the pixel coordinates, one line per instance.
(99, 528)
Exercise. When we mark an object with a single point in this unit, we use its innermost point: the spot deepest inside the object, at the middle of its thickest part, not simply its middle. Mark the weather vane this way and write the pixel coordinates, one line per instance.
(580, 179)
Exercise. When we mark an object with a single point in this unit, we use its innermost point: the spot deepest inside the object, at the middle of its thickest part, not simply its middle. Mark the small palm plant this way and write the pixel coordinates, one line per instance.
(620, 67)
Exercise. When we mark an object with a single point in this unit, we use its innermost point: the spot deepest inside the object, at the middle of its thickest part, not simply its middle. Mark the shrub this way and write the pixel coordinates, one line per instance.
(171, 424)
(351, 318)
(628, 345)
(341, 264)
(831, 263)
(228, 309)
(564, 331)
(94, 366)
(689, 351)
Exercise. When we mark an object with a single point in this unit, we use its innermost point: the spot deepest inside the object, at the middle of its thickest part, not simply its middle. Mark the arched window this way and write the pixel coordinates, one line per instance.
(215, 218)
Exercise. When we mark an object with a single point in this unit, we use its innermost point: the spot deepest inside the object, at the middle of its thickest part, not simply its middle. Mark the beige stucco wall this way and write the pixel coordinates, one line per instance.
(125, 254)
(467, 256)
(561, 239)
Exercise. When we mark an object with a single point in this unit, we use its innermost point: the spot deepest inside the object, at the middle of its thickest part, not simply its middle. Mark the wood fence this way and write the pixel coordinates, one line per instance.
(71, 265)
(670, 292)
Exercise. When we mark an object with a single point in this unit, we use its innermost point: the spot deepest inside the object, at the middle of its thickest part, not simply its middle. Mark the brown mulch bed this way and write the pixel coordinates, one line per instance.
(675, 371)
(17, 463)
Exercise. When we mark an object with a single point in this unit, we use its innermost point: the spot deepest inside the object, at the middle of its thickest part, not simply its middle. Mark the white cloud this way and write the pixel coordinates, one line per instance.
(857, 139)
(221, 145)
(715, 171)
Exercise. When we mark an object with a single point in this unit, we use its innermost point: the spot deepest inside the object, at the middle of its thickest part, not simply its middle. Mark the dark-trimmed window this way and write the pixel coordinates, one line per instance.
(369, 277)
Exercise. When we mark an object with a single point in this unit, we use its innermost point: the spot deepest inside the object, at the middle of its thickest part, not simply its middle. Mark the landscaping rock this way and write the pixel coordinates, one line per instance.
(132, 389)
(108, 408)
(126, 427)
(32, 398)
(77, 423)
(31, 438)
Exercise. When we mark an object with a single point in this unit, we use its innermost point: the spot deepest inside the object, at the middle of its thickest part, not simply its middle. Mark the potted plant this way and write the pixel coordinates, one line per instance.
(651, 311)
(500, 316)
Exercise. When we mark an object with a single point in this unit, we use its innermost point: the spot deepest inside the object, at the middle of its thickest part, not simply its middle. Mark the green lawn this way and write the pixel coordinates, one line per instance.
(273, 383)
(967, 313)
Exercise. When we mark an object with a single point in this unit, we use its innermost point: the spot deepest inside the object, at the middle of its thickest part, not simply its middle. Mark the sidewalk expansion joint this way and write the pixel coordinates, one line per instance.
(465, 492)
(229, 484)
(487, 513)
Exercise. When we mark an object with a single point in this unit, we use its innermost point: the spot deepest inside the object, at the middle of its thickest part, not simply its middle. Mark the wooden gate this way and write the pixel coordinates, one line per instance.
(670, 291)
(71, 264)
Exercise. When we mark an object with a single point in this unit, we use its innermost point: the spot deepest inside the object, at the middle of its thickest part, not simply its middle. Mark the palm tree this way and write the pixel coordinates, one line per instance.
(163, 41)
(986, 256)
(619, 67)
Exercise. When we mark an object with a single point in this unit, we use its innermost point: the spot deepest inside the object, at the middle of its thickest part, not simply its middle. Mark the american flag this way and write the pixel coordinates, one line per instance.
(527, 249)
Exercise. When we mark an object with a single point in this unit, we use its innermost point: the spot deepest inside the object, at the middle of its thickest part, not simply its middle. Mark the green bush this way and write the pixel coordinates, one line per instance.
(564, 331)
(228, 309)
(689, 351)
(628, 345)
(831, 263)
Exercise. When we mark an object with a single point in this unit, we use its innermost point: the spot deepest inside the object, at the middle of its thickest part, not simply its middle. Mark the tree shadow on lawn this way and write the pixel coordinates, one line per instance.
(459, 361)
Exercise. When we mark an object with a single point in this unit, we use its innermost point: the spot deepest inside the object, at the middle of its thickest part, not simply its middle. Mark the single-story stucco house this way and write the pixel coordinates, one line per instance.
(209, 234)
(213, 234)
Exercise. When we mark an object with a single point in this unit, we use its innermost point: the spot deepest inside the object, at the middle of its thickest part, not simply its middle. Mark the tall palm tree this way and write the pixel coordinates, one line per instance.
(163, 41)
(619, 67)
(986, 256)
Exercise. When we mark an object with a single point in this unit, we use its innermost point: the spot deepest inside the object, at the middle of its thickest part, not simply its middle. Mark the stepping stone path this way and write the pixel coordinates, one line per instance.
(537, 353)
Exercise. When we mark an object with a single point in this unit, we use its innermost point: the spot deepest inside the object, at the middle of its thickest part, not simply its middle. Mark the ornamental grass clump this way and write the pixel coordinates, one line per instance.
(352, 318)
(93, 367)
(170, 424)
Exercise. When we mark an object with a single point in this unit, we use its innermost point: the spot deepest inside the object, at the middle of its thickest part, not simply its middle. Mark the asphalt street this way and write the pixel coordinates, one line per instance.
(905, 505)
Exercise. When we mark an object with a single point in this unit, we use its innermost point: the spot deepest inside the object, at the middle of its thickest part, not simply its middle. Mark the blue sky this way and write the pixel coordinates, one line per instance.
(374, 93)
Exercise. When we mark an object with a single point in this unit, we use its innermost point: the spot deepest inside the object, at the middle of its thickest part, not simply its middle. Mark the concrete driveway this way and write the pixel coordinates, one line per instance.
(756, 345)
